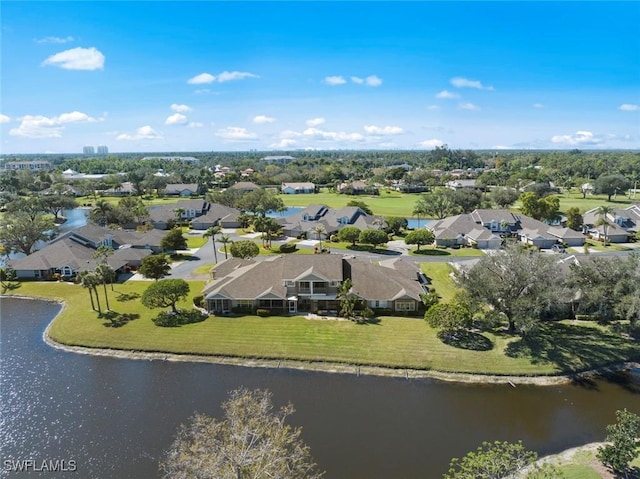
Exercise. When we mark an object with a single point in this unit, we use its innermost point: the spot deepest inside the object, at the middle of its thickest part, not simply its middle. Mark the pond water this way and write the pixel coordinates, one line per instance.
(115, 417)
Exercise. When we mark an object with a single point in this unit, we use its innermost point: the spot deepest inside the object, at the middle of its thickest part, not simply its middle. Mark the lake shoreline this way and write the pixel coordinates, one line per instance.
(327, 366)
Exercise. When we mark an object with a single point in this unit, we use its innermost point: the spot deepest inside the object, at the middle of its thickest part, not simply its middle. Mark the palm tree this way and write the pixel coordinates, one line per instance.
(85, 282)
(421, 209)
(603, 212)
(225, 240)
(348, 299)
(105, 273)
(101, 212)
(319, 230)
(211, 233)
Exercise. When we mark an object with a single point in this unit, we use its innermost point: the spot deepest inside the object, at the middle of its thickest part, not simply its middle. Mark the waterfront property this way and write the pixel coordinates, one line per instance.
(289, 284)
(217, 215)
(73, 252)
(332, 220)
(297, 188)
(164, 216)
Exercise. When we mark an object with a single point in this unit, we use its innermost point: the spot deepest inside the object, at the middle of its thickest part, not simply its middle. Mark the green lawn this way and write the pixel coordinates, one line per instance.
(441, 281)
(388, 203)
(394, 342)
(575, 200)
(196, 241)
(599, 246)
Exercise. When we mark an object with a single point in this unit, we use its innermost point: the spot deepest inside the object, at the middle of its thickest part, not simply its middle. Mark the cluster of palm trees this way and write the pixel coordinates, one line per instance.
(224, 239)
(101, 275)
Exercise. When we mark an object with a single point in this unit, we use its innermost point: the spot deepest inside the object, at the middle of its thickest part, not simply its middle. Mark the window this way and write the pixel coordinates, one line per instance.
(289, 282)
(405, 305)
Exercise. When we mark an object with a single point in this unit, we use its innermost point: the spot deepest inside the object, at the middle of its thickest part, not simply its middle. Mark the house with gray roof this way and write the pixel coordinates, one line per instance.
(623, 223)
(293, 284)
(332, 219)
(485, 228)
(163, 216)
(181, 189)
(218, 215)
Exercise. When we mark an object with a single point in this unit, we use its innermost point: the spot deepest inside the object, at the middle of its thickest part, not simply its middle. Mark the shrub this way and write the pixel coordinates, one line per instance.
(168, 319)
(334, 238)
(588, 317)
(263, 313)
(287, 248)
(198, 300)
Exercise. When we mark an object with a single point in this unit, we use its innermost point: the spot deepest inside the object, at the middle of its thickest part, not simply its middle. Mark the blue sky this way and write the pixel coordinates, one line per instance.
(203, 76)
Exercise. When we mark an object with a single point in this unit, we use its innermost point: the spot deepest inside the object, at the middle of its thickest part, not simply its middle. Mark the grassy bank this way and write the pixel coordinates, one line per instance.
(394, 342)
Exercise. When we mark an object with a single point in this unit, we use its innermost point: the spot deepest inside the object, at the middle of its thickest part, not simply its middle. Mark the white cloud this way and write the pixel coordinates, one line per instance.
(384, 130)
(447, 95)
(202, 91)
(195, 124)
(501, 147)
(332, 135)
(54, 39)
(629, 107)
(468, 106)
(371, 80)
(180, 108)
(225, 76)
(579, 138)
(77, 59)
(229, 76)
(335, 80)
(235, 133)
(433, 107)
(538, 105)
(315, 121)
(4, 118)
(142, 133)
(461, 82)
(262, 119)
(201, 79)
(38, 126)
(284, 143)
(176, 119)
(289, 134)
(432, 143)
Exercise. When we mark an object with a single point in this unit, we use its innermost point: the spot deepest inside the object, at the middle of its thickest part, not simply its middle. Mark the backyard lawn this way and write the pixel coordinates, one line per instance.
(394, 342)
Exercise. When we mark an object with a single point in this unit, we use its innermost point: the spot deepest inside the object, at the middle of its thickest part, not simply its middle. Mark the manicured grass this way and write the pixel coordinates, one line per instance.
(394, 342)
(195, 241)
(340, 245)
(205, 268)
(574, 199)
(599, 246)
(579, 471)
(433, 251)
(441, 281)
(388, 203)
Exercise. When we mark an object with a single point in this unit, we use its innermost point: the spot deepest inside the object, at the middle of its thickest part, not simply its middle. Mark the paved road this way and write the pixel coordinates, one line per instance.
(204, 256)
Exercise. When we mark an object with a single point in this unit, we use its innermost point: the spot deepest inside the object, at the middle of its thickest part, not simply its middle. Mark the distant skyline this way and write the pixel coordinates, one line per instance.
(224, 76)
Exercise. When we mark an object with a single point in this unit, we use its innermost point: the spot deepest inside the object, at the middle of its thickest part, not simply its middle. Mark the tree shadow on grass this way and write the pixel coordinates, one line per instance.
(573, 347)
(466, 340)
(370, 249)
(117, 320)
(431, 252)
(122, 297)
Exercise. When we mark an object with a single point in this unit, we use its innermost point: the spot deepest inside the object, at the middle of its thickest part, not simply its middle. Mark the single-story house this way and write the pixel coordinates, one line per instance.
(218, 215)
(181, 189)
(164, 216)
(245, 186)
(621, 220)
(297, 188)
(293, 284)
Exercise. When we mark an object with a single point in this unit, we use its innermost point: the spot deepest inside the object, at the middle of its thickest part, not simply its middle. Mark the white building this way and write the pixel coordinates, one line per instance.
(102, 150)
(89, 150)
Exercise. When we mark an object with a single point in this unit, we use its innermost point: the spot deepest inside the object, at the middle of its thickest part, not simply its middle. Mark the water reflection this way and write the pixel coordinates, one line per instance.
(115, 417)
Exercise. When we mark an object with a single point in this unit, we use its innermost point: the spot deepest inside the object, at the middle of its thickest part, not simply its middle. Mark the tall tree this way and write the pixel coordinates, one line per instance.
(438, 204)
(504, 197)
(165, 293)
(105, 274)
(225, 240)
(611, 184)
(251, 442)
(603, 213)
(20, 231)
(85, 281)
(319, 230)
(155, 266)
(574, 218)
(102, 213)
(396, 224)
(260, 202)
(211, 233)
(54, 204)
(546, 208)
(347, 299)
(515, 282)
